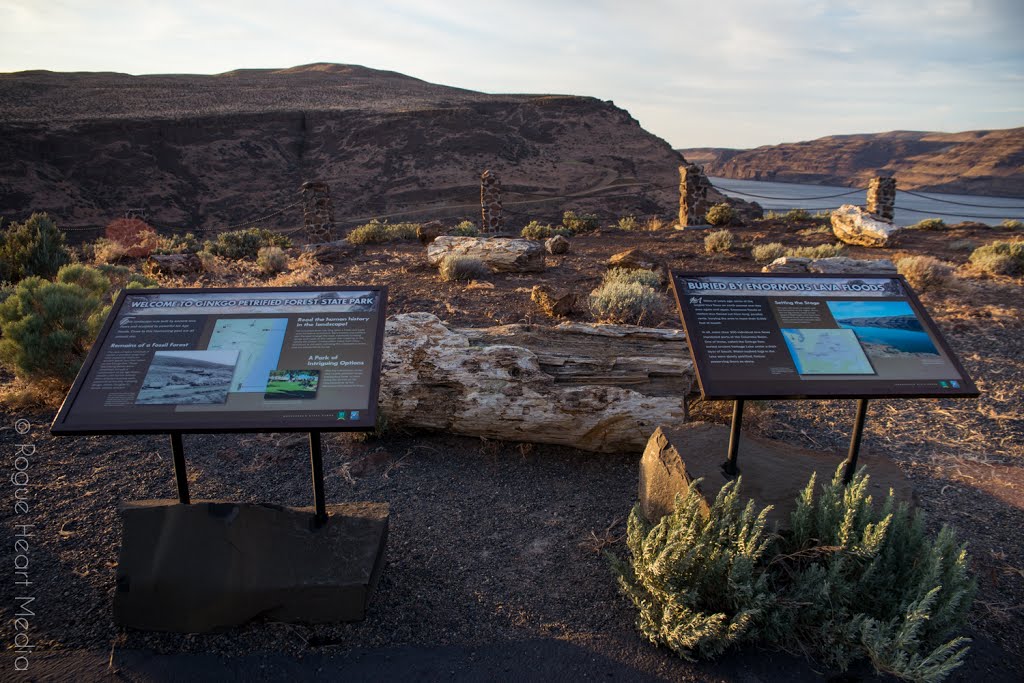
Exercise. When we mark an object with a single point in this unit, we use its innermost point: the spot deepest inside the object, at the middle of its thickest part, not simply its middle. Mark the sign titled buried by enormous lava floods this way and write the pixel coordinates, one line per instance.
(217, 360)
(755, 335)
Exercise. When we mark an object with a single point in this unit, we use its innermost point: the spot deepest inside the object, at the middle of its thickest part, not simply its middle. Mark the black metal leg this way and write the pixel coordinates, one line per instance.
(178, 451)
(729, 466)
(317, 464)
(858, 431)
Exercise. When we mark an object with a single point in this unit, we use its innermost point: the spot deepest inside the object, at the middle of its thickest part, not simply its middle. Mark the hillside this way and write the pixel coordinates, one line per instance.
(202, 151)
(986, 162)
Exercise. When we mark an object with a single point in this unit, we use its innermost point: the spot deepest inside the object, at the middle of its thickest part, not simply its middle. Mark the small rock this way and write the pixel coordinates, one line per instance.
(330, 252)
(558, 244)
(854, 225)
(430, 231)
(662, 476)
(554, 303)
(633, 259)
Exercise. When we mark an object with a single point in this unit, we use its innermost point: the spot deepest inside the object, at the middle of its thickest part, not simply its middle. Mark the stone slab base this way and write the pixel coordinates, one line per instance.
(774, 473)
(213, 565)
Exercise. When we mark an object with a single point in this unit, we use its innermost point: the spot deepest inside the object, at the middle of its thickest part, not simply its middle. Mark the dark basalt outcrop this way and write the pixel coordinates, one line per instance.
(198, 151)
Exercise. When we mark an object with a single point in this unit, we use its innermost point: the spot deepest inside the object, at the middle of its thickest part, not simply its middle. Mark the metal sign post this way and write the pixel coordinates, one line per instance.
(813, 336)
(180, 475)
(317, 466)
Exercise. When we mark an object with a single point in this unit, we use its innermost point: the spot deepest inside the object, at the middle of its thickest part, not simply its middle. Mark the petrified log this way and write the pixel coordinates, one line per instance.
(175, 264)
(833, 265)
(854, 225)
(502, 255)
(600, 388)
(330, 252)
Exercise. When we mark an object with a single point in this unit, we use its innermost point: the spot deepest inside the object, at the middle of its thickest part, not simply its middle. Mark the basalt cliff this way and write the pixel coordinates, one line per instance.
(198, 151)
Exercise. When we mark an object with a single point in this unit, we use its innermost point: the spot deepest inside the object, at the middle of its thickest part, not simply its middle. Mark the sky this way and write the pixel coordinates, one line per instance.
(708, 73)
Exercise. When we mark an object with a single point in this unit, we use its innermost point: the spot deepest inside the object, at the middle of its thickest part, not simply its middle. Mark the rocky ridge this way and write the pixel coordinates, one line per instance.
(985, 162)
(198, 151)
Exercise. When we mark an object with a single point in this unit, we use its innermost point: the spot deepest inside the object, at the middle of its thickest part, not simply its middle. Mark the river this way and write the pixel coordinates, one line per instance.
(910, 208)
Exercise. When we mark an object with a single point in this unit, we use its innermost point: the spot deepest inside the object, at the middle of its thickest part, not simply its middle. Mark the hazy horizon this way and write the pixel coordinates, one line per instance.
(735, 73)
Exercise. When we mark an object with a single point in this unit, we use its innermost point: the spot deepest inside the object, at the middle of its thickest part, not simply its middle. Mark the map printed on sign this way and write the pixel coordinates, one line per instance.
(792, 336)
(232, 359)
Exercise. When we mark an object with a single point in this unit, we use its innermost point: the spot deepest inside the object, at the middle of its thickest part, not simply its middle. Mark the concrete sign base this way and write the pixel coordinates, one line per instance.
(213, 565)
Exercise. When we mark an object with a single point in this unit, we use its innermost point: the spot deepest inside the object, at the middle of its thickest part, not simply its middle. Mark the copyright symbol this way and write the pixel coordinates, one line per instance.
(22, 426)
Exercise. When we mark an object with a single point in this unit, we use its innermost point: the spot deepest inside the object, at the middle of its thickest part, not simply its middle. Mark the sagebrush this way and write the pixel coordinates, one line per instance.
(925, 273)
(818, 251)
(1000, 258)
(456, 267)
(628, 296)
(34, 247)
(238, 245)
(766, 253)
(48, 327)
(720, 214)
(535, 230)
(582, 222)
(719, 241)
(848, 581)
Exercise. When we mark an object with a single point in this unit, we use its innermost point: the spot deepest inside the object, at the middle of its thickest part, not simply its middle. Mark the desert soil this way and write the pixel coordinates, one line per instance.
(497, 547)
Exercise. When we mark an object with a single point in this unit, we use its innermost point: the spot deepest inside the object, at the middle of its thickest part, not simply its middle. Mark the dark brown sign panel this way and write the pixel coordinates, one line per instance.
(763, 336)
(223, 360)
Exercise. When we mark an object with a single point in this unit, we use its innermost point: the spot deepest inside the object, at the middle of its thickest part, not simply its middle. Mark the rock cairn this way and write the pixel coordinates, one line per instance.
(490, 203)
(317, 211)
(693, 195)
(882, 197)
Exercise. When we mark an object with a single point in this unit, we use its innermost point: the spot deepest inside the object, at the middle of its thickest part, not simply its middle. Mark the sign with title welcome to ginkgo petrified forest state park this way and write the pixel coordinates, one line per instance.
(216, 360)
(759, 335)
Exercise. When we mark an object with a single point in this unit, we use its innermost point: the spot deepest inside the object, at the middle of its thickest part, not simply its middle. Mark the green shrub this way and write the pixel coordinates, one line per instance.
(850, 580)
(766, 253)
(628, 223)
(639, 276)
(1012, 224)
(465, 229)
(534, 230)
(928, 224)
(380, 232)
(719, 241)
(35, 247)
(455, 267)
(963, 245)
(122, 277)
(584, 222)
(720, 214)
(797, 216)
(177, 244)
(925, 272)
(817, 251)
(625, 302)
(1000, 258)
(272, 260)
(245, 244)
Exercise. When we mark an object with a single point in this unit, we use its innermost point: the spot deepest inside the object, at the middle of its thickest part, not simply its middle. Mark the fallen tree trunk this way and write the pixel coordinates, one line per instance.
(601, 388)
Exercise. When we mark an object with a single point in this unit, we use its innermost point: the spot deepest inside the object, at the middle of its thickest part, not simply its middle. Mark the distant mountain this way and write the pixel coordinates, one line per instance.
(201, 151)
(986, 162)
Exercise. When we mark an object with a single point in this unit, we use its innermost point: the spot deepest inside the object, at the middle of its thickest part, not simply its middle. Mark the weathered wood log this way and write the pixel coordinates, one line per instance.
(175, 264)
(500, 254)
(600, 388)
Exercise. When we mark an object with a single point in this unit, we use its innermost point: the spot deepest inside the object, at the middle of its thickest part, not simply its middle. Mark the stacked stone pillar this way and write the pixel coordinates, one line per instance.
(882, 197)
(317, 211)
(693, 195)
(490, 203)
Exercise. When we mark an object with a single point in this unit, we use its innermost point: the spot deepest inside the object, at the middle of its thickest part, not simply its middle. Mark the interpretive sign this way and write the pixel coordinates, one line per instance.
(223, 360)
(762, 336)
